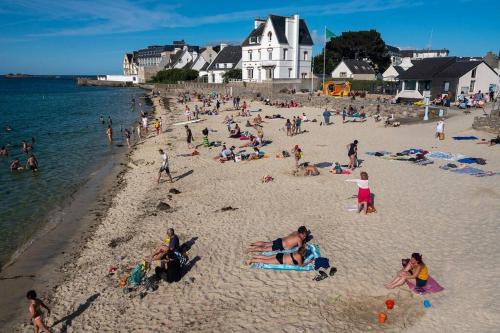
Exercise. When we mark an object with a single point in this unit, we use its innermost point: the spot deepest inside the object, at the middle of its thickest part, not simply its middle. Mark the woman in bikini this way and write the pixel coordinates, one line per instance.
(35, 313)
(415, 269)
(295, 258)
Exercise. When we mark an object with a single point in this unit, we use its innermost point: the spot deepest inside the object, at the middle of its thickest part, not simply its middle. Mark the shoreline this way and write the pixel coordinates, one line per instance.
(221, 293)
(39, 262)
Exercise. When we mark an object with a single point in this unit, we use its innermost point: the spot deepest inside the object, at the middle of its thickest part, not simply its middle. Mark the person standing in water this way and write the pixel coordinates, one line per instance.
(32, 163)
(109, 132)
(4, 151)
(110, 121)
(127, 137)
(145, 124)
(138, 135)
(36, 313)
(101, 118)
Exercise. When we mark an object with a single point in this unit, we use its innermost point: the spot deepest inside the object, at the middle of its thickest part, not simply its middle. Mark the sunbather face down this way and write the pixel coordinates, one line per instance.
(295, 258)
(296, 238)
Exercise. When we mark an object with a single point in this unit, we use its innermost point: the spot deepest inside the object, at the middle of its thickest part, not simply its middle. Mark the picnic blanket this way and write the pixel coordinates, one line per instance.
(378, 153)
(470, 160)
(312, 253)
(459, 138)
(431, 287)
(255, 110)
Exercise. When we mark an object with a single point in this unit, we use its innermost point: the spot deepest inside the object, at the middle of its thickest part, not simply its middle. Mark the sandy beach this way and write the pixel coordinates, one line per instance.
(452, 219)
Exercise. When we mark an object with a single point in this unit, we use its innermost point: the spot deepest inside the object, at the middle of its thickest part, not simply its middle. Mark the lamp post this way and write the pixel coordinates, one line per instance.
(427, 98)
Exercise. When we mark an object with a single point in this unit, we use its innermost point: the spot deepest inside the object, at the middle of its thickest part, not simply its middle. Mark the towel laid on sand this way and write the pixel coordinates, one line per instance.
(431, 287)
(312, 253)
(470, 171)
(439, 155)
(459, 138)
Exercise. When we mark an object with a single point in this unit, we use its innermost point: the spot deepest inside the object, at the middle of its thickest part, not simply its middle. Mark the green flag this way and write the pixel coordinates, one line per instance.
(329, 34)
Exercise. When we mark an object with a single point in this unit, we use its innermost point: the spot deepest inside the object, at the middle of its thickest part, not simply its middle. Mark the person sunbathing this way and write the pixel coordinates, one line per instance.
(257, 154)
(296, 238)
(236, 132)
(257, 120)
(295, 258)
(251, 143)
(310, 170)
(414, 269)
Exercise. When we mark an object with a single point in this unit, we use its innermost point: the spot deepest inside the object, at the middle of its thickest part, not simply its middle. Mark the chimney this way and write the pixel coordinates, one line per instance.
(296, 24)
(257, 22)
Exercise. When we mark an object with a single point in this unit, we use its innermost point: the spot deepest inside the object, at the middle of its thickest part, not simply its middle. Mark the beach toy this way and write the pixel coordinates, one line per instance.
(426, 303)
(382, 317)
(390, 304)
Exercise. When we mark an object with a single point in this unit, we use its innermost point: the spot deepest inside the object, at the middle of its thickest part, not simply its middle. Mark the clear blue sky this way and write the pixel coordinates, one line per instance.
(90, 37)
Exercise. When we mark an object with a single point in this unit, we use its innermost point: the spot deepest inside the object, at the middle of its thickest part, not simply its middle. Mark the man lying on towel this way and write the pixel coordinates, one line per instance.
(296, 238)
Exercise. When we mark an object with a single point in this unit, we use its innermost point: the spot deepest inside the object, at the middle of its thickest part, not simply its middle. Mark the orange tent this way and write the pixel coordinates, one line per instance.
(333, 89)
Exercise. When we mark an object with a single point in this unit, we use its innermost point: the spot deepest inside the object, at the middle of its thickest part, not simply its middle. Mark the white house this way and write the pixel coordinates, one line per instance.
(228, 58)
(278, 47)
(129, 64)
(119, 78)
(447, 75)
(353, 69)
(392, 73)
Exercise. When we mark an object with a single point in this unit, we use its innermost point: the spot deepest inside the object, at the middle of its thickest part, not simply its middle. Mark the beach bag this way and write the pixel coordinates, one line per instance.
(321, 262)
(441, 136)
(137, 274)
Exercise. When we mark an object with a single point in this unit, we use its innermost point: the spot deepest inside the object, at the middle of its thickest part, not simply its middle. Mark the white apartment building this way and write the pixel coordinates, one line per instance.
(278, 47)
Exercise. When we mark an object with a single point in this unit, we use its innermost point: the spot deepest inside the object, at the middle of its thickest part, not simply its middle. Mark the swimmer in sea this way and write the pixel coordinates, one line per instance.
(8, 128)
(110, 121)
(32, 163)
(4, 151)
(24, 147)
(101, 118)
(15, 165)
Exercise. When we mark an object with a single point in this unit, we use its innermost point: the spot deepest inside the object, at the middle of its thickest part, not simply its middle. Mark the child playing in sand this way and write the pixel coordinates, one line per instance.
(35, 313)
(364, 194)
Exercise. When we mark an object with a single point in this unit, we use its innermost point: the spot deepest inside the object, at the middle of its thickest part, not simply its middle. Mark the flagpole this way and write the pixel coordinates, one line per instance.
(324, 60)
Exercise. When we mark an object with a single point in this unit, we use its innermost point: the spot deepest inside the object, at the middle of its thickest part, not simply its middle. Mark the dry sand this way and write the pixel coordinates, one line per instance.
(452, 219)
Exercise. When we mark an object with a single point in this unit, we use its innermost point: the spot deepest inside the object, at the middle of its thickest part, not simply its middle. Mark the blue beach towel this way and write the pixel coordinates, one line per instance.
(312, 253)
(459, 138)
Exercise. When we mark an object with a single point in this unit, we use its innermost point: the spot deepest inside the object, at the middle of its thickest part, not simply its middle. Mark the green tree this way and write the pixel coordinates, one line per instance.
(175, 75)
(354, 45)
(232, 74)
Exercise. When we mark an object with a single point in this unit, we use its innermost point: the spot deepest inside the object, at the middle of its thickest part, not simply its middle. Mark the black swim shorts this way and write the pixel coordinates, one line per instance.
(279, 257)
(278, 245)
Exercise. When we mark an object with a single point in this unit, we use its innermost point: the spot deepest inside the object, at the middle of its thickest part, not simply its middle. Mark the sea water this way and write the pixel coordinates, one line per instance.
(70, 142)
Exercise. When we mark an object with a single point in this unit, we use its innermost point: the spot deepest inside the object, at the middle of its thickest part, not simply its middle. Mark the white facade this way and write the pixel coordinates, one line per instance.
(265, 58)
(119, 78)
(216, 75)
(342, 72)
(480, 78)
(390, 74)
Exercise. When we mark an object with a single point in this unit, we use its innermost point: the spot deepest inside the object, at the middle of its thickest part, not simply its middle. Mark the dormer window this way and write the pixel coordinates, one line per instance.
(269, 36)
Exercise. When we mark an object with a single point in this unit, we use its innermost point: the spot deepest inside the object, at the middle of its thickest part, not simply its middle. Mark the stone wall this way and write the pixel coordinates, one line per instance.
(273, 91)
(489, 123)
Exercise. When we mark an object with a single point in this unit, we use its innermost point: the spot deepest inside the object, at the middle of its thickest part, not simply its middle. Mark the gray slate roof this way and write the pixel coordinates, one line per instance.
(230, 54)
(279, 23)
(443, 67)
(399, 69)
(359, 66)
(409, 53)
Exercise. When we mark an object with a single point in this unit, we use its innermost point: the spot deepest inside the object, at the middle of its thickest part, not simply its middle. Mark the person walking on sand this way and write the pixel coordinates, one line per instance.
(440, 129)
(164, 166)
(188, 114)
(109, 132)
(126, 134)
(34, 309)
(189, 137)
(157, 126)
(353, 154)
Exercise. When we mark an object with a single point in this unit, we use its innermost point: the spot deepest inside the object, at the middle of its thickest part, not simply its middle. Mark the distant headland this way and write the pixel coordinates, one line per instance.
(17, 75)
